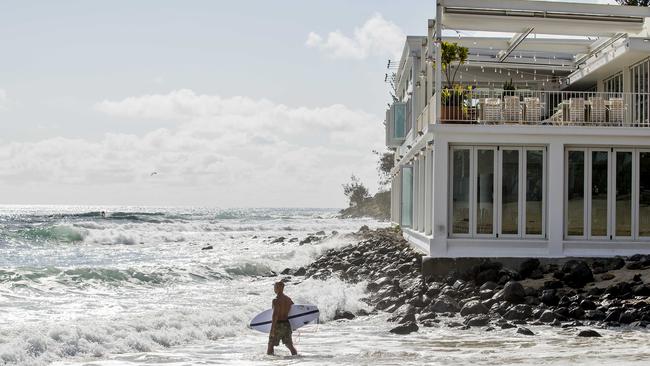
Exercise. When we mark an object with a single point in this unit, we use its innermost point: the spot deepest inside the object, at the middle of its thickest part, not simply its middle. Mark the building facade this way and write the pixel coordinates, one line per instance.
(540, 147)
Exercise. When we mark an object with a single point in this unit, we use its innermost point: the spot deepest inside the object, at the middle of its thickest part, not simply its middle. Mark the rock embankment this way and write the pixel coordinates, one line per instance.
(598, 293)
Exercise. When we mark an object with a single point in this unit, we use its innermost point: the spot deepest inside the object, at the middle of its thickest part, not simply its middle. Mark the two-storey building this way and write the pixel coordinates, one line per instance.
(546, 150)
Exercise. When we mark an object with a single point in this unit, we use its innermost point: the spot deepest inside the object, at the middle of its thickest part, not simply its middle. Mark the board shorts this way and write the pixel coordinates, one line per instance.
(282, 333)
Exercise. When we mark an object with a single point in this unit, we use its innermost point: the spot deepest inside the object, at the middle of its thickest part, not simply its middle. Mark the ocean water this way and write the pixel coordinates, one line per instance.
(133, 287)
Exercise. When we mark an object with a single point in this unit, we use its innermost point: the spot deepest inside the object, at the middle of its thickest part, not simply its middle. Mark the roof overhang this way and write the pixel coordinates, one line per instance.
(546, 17)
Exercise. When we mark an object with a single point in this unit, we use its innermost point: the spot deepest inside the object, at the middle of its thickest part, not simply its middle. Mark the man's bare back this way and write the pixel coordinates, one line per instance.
(280, 326)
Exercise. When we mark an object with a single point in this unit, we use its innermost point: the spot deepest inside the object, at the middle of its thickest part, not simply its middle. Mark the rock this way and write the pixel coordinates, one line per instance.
(320, 233)
(445, 305)
(300, 272)
(518, 312)
(596, 315)
(588, 333)
(525, 331)
(641, 290)
(488, 275)
(405, 328)
(286, 271)
(343, 314)
(577, 273)
(426, 316)
(588, 305)
(508, 326)
(613, 315)
(615, 263)
(607, 276)
(547, 316)
(549, 297)
(490, 285)
(478, 320)
(514, 292)
(553, 284)
(279, 240)
(637, 278)
(473, 307)
(293, 240)
(408, 318)
(627, 317)
(527, 267)
(537, 274)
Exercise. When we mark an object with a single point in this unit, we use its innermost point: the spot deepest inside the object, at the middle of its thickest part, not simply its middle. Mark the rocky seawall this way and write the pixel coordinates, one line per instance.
(596, 293)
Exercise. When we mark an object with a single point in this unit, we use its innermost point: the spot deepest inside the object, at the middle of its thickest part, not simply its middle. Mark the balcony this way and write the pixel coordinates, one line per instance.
(553, 108)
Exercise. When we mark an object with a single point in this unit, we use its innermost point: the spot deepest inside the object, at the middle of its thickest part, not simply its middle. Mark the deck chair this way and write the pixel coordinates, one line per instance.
(533, 110)
(598, 111)
(511, 109)
(616, 111)
(492, 110)
(576, 110)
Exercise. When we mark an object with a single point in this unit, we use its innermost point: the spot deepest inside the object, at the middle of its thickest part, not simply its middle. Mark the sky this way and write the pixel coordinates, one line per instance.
(231, 104)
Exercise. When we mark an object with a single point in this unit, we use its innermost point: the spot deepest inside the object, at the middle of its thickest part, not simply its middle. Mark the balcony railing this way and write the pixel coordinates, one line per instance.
(546, 108)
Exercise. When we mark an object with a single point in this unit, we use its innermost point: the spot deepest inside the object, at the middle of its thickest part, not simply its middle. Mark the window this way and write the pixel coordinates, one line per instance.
(607, 194)
(639, 81)
(460, 191)
(614, 84)
(407, 196)
(497, 191)
(644, 194)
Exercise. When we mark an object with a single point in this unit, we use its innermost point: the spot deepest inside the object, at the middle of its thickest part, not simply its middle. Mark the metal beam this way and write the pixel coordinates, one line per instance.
(517, 39)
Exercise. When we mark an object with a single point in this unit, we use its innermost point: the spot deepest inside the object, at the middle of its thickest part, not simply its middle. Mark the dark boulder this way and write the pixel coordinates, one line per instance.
(547, 316)
(553, 284)
(279, 240)
(627, 317)
(300, 271)
(445, 305)
(596, 315)
(525, 331)
(519, 312)
(343, 314)
(488, 275)
(478, 320)
(512, 292)
(577, 273)
(491, 285)
(527, 267)
(549, 297)
(588, 305)
(588, 333)
(405, 328)
(473, 307)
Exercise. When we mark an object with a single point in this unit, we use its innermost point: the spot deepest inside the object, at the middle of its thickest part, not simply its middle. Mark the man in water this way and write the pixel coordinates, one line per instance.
(280, 327)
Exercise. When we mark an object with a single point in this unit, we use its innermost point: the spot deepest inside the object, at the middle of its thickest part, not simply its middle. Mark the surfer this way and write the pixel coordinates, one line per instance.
(280, 326)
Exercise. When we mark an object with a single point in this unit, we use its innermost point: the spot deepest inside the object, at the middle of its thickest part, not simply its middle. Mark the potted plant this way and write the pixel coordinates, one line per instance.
(508, 88)
(453, 96)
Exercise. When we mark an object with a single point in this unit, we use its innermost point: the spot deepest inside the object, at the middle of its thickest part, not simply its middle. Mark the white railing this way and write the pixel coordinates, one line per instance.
(546, 108)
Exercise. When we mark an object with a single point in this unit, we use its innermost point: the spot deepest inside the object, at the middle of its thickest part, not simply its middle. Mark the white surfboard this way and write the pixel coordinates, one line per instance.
(299, 315)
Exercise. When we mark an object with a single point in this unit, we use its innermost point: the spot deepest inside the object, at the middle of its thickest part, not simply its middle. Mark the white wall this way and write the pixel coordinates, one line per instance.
(556, 139)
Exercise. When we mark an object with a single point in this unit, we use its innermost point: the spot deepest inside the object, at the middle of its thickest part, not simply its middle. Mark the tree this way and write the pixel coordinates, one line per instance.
(355, 191)
(452, 57)
(385, 164)
(634, 2)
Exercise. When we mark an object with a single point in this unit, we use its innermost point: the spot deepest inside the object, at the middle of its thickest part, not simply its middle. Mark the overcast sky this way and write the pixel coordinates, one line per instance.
(233, 104)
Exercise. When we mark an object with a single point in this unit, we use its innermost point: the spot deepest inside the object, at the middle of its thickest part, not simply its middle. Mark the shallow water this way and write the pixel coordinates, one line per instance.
(135, 288)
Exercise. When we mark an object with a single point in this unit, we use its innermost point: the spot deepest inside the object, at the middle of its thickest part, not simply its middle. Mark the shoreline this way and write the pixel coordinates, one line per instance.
(596, 294)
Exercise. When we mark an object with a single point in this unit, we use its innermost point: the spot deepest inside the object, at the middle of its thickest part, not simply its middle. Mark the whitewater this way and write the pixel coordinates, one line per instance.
(133, 286)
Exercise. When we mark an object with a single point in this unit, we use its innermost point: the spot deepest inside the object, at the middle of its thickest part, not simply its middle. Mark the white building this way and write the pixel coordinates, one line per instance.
(558, 167)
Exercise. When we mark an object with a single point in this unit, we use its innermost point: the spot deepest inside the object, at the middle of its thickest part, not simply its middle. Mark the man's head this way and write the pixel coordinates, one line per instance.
(278, 287)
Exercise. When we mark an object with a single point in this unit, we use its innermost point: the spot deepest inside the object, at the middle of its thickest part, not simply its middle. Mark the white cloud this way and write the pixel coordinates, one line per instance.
(376, 37)
(237, 151)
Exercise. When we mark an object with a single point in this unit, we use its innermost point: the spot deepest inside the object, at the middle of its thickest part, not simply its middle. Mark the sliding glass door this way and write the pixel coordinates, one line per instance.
(497, 191)
(407, 196)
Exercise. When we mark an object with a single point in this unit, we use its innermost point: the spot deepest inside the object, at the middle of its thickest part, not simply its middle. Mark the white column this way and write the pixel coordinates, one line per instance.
(416, 198)
(438, 74)
(440, 198)
(555, 199)
(428, 188)
(421, 190)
